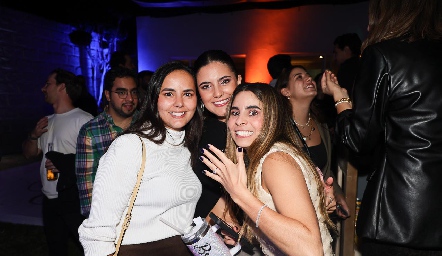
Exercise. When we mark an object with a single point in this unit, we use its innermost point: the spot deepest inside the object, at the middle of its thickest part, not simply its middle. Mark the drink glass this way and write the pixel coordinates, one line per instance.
(51, 174)
(202, 240)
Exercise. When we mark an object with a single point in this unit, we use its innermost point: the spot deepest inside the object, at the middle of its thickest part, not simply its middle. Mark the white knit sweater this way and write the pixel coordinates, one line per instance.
(169, 190)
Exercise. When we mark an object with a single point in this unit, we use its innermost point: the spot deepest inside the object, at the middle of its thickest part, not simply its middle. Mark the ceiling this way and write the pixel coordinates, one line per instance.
(111, 12)
(120, 15)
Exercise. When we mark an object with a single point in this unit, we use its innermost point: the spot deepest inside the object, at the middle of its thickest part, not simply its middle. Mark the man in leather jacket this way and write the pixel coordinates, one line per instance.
(397, 107)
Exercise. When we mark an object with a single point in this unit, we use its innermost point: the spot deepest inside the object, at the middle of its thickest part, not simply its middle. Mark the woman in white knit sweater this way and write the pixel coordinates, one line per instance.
(170, 125)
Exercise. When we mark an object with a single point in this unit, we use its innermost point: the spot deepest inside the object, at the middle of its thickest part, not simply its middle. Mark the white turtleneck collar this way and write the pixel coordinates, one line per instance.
(174, 138)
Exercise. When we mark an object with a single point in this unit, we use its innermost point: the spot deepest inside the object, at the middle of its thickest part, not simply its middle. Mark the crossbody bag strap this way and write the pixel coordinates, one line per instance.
(132, 199)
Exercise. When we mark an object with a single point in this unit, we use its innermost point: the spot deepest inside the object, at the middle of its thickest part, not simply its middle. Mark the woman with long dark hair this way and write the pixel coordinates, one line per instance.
(169, 126)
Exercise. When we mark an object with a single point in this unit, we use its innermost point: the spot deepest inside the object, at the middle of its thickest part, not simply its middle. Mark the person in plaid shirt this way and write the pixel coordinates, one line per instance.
(94, 138)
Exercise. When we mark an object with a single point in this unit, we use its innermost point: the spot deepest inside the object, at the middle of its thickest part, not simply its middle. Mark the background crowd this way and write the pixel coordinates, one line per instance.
(260, 156)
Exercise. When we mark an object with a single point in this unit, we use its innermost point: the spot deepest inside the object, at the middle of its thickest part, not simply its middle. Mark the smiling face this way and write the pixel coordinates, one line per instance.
(177, 100)
(246, 118)
(216, 83)
(300, 85)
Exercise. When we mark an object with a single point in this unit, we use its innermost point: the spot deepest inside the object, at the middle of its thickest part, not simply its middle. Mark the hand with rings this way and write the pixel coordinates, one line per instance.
(330, 204)
(231, 176)
(331, 199)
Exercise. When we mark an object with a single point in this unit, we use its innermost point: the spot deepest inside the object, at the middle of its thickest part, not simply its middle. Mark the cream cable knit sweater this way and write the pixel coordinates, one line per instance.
(169, 190)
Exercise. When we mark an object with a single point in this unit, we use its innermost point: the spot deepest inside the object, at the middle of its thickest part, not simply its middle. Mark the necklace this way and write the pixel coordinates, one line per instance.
(181, 137)
(305, 137)
(306, 124)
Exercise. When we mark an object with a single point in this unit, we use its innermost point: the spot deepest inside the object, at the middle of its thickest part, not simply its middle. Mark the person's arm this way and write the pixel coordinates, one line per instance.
(297, 225)
(219, 210)
(330, 86)
(360, 127)
(114, 182)
(30, 145)
(85, 160)
(294, 226)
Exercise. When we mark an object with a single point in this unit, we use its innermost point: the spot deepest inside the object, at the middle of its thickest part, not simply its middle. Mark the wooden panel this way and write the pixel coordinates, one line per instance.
(348, 179)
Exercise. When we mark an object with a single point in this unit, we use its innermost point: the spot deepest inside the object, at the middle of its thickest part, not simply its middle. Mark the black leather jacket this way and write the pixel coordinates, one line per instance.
(397, 112)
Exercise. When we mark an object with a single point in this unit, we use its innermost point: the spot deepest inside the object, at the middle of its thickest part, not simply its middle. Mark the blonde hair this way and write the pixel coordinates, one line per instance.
(277, 128)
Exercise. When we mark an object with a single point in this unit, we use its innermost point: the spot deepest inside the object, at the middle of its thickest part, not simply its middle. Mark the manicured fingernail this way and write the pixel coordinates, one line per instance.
(240, 149)
(201, 158)
(203, 171)
(202, 150)
(207, 146)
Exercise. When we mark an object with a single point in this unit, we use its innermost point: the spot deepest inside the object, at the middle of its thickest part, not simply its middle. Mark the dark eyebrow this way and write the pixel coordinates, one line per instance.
(253, 106)
(248, 107)
(202, 83)
(224, 77)
(173, 90)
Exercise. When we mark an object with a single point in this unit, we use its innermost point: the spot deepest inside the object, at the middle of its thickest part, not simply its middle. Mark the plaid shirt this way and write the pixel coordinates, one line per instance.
(93, 141)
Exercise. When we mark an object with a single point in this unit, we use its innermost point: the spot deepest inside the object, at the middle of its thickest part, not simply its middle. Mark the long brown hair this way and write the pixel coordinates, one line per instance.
(283, 82)
(410, 19)
(276, 128)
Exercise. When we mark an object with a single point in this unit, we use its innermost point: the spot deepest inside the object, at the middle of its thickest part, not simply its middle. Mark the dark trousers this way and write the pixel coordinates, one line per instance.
(372, 248)
(61, 220)
(172, 246)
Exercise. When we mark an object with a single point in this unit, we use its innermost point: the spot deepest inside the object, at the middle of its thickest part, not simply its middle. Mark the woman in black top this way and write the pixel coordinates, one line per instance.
(217, 78)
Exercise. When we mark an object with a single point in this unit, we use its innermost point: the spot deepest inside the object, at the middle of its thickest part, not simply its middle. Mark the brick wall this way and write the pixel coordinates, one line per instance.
(30, 48)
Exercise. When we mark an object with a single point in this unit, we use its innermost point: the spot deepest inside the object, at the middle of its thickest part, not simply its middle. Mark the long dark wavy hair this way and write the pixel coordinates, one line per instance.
(149, 119)
(283, 81)
(276, 128)
(408, 19)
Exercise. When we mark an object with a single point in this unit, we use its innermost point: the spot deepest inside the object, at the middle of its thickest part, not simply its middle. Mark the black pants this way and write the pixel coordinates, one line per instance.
(172, 246)
(373, 248)
(61, 220)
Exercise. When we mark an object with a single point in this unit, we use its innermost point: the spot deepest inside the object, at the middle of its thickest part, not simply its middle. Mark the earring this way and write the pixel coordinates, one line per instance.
(202, 105)
(288, 97)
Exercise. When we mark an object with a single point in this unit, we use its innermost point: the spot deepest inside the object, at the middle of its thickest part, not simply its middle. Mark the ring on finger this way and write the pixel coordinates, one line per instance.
(331, 200)
(214, 170)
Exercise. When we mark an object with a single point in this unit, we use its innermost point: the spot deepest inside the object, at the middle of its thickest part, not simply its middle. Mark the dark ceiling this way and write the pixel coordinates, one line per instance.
(110, 12)
(120, 15)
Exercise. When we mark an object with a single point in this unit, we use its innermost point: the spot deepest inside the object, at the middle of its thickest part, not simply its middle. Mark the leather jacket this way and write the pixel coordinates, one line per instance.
(397, 113)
